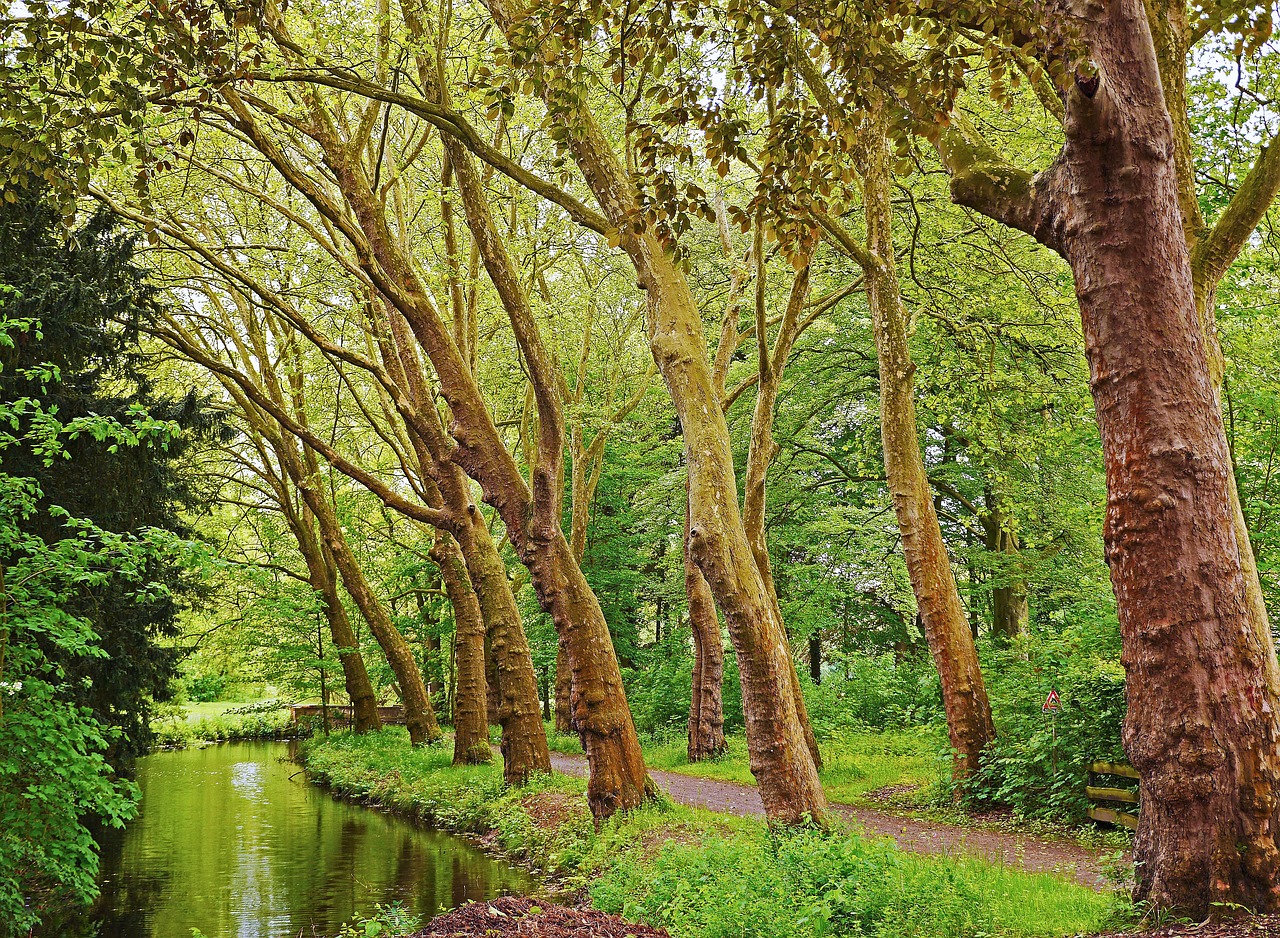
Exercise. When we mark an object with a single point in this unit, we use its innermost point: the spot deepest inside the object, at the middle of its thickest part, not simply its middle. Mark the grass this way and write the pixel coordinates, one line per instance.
(181, 725)
(704, 875)
(854, 764)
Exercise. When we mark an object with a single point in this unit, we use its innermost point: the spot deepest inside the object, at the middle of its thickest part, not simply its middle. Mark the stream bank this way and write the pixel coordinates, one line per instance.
(698, 873)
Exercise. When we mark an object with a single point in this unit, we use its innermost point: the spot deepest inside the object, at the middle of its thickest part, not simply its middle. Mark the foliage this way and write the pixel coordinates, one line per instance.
(173, 730)
(386, 921)
(1038, 762)
(54, 776)
(82, 363)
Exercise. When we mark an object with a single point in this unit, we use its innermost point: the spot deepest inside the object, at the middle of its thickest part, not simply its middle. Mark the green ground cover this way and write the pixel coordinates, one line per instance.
(855, 763)
(704, 875)
(219, 721)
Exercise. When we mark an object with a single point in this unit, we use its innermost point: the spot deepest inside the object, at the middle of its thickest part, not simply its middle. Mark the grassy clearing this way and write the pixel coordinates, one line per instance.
(705, 875)
(855, 764)
(182, 725)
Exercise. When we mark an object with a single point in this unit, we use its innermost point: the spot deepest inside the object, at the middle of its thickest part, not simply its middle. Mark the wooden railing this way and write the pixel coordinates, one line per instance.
(1117, 802)
(344, 714)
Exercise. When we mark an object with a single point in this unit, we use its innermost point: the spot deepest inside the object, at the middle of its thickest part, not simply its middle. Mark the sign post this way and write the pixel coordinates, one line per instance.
(1052, 704)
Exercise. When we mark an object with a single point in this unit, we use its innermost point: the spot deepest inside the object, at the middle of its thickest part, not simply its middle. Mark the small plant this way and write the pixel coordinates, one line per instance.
(387, 921)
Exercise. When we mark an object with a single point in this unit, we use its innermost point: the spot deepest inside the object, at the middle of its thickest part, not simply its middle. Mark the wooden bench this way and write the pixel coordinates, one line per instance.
(1114, 804)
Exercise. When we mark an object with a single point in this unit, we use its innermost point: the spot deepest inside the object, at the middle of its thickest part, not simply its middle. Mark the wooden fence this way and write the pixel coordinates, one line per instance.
(343, 714)
(1116, 801)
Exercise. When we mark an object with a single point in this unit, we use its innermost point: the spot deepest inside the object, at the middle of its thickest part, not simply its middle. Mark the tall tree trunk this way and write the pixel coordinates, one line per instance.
(618, 779)
(511, 685)
(706, 700)
(780, 758)
(601, 716)
(470, 707)
(762, 449)
(564, 690)
(1010, 609)
(964, 695)
(324, 580)
(1203, 723)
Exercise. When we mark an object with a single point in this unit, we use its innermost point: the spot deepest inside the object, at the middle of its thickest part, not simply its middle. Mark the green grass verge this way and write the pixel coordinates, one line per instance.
(704, 875)
(854, 764)
(182, 725)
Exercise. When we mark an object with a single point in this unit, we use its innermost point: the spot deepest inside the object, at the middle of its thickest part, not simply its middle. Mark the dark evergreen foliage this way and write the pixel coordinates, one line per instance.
(86, 298)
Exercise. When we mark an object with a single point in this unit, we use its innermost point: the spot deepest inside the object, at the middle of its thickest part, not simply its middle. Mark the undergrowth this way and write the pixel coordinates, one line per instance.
(705, 875)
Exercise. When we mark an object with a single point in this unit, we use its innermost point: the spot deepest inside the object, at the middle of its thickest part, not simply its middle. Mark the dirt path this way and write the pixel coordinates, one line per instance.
(915, 836)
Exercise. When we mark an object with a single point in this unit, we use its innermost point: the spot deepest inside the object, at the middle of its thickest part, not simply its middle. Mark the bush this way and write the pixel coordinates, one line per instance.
(205, 688)
(175, 732)
(877, 693)
(658, 690)
(1038, 763)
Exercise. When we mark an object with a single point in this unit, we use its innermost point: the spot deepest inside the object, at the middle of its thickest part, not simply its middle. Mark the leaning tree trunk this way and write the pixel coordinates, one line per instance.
(324, 580)
(420, 718)
(780, 758)
(1203, 723)
(706, 700)
(964, 695)
(512, 691)
(470, 708)
(524, 738)
(762, 450)
(618, 779)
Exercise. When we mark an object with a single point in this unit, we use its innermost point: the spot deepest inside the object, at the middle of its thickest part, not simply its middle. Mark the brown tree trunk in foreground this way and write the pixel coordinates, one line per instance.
(706, 701)
(470, 708)
(964, 696)
(324, 580)
(1203, 724)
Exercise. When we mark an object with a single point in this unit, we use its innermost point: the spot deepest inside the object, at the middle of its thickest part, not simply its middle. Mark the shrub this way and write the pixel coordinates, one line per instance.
(1038, 763)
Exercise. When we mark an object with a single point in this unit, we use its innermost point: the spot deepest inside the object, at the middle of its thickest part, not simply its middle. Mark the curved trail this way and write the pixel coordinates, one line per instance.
(1018, 851)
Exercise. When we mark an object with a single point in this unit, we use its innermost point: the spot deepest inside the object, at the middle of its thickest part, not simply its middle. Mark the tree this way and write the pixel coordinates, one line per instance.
(1108, 204)
(89, 296)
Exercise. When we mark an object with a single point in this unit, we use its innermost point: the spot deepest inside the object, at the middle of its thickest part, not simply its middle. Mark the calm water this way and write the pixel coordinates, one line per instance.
(233, 841)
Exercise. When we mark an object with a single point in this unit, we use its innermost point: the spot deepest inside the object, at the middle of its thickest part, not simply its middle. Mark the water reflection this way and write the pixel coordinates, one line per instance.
(230, 843)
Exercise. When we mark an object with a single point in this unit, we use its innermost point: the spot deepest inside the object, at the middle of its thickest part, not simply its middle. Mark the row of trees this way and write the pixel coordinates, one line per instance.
(345, 199)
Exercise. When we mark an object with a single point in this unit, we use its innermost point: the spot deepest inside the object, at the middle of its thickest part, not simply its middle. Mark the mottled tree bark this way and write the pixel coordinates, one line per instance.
(1203, 724)
(564, 690)
(470, 706)
(511, 685)
(420, 717)
(706, 699)
(762, 449)
(964, 695)
(324, 580)
(618, 779)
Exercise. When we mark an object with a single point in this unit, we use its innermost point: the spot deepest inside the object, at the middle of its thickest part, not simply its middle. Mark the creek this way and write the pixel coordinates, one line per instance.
(231, 839)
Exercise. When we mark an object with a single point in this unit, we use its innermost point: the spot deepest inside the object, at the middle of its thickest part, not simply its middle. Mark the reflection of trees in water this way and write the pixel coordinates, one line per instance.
(121, 909)
(322, 862)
